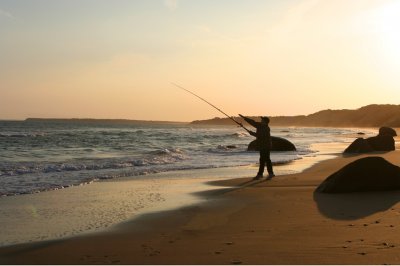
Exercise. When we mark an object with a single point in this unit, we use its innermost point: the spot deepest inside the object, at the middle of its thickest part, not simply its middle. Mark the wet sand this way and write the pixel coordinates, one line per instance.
(280, 221)
(101, 205)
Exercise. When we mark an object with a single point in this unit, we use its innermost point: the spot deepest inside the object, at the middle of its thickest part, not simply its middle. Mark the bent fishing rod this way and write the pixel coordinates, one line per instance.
(204, 100)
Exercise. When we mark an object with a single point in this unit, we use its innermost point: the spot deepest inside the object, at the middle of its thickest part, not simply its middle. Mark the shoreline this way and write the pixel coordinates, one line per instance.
(100, 206)
(72, 169)
(280, 221)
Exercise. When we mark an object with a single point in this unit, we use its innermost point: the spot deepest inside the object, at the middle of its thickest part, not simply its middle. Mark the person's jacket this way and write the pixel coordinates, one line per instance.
(262, 134)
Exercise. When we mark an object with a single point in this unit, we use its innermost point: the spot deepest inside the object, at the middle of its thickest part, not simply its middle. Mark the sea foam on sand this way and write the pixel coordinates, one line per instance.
(89, 208)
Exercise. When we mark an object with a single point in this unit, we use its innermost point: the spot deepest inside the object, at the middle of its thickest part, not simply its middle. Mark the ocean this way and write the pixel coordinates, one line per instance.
(44, 155)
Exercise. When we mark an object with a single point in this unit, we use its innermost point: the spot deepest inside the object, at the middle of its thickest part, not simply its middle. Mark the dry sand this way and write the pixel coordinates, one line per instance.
(280, 221)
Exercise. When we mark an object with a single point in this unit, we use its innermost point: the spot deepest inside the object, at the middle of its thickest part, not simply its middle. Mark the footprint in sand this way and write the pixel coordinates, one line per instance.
(150, 251)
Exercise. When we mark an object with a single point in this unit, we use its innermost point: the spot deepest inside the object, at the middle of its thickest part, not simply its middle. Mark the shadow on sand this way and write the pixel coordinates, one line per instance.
(352, 206)
(372, 153)
(228, 188)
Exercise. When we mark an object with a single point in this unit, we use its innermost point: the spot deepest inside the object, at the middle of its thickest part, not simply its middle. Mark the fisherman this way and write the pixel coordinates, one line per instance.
(263, 136)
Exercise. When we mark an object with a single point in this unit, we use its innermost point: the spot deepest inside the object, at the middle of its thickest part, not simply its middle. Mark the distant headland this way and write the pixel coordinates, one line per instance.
(373, 115)
(99, 121)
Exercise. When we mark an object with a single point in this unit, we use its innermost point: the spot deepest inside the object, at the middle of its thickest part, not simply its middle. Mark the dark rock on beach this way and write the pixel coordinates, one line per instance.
(387, 131)
(278, 144)
(360, 145)
(366, 174)
(383, 142)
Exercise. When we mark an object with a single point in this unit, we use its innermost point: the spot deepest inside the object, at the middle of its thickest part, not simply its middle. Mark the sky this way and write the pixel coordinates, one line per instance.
(117, 59)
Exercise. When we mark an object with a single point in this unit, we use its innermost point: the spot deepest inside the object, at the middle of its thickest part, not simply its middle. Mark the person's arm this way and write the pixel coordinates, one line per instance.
(250, 121)
(252, 133)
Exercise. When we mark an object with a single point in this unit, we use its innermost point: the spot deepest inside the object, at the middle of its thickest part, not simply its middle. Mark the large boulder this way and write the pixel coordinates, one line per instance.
(382, 143)
(277, 144)
(387, 131)
(377, 143)
(360, 145)
(366, 174)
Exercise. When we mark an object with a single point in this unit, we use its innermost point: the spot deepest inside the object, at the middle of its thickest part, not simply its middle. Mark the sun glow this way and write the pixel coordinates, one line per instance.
(279, 57)
(378, 29)
(388, 29)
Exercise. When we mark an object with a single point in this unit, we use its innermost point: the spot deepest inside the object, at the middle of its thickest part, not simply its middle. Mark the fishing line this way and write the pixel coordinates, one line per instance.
(204, 100)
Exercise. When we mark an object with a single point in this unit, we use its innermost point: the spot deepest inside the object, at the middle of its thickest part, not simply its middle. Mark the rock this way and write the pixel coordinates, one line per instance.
(278, 144)
(381, 143)
(360, 145)
(387, 131)
(377, 143)
(366, 174)
(231, 146)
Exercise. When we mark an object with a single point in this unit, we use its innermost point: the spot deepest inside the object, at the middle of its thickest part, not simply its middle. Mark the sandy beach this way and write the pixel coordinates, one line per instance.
(280, 221)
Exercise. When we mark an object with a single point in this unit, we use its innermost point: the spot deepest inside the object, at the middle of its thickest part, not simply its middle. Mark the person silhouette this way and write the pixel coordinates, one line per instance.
(263, 136)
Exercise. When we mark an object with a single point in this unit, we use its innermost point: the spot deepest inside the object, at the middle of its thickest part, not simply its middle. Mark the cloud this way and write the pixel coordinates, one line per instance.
(171, 4)
(6, 14)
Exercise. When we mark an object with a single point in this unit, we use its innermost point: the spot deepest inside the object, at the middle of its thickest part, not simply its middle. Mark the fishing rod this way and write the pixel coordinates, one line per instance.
(204, 100)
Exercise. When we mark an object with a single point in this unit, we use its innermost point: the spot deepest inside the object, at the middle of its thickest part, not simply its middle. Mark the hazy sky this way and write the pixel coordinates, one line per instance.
(116, 59)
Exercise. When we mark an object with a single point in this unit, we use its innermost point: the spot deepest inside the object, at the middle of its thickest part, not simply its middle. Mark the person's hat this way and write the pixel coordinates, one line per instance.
(265, 118)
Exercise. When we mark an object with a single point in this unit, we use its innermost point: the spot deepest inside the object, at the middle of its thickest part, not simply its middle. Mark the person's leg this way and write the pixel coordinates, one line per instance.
(269, 164)
(263, 156)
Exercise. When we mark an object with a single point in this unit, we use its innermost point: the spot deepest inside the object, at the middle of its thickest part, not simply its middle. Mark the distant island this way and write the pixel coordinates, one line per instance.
(99, 121)
(373, 115)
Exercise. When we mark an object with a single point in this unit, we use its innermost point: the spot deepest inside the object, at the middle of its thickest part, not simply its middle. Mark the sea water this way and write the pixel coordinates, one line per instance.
(46, 155)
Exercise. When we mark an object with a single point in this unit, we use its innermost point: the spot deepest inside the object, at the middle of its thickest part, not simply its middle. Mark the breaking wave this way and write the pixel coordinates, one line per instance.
(43, 156)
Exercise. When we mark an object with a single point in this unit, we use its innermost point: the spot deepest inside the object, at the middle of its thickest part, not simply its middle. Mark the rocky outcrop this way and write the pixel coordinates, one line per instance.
(360, 145)
(277, 144)
(387, 131)
(383, 142)
(366, 174)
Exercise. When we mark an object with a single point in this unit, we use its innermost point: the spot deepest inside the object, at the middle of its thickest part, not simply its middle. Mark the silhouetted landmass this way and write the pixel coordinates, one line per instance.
(368, 116)
(98, 121)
